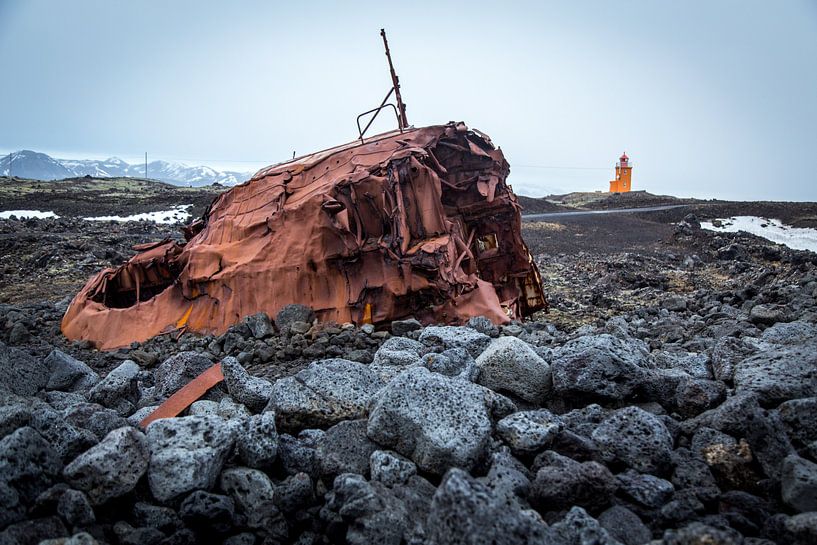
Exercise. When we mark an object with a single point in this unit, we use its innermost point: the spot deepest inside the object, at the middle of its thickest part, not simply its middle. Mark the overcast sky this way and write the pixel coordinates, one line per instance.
(714, 98)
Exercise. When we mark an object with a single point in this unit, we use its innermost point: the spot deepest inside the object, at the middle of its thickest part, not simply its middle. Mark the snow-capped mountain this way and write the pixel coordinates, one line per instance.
(39, 166)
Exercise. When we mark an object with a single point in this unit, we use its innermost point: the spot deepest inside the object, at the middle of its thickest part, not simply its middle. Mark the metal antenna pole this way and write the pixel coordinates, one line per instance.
(396, 84)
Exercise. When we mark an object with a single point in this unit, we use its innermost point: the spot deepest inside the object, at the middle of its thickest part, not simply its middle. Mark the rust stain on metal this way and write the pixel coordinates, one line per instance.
(185, 397)
(413, 223)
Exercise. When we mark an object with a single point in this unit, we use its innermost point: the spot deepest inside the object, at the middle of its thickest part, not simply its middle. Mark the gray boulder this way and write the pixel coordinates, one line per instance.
(647, 490)
(527, 432)
(455, 337)
(178, 370)
(466, 511)
(93, 417)
(792, 333)
(344, 448)
(578, 528)
(511, 365)
(625, 526)
(22, 374)
(66, 439)
(636, 438)
(28, 463)
(323, 394)
(390, 468)
(257, 440)
(483, 325)
(435, 421)
(74, 507)
(68, 374)
(119, 390)
(454, 363)
(400, 327)
(567, 482)
(779, 374)
(291, 314)
(260, 325)
(186, 453)
(395, 355)
(251, 391)
(599, 366)
(767, 314)
(798, 416)
(253, 492)
(799, 483)
(111, 468)
(207, 510)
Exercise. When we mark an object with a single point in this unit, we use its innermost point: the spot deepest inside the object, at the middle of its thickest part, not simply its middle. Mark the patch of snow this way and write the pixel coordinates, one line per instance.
(796, 238)
(174, 215)
(26, 214)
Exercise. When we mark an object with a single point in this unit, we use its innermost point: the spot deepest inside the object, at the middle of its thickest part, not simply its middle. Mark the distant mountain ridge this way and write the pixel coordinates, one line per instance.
(40, 166)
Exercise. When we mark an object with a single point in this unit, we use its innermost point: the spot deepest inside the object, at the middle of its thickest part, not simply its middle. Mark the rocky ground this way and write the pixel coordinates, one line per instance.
(670, 396)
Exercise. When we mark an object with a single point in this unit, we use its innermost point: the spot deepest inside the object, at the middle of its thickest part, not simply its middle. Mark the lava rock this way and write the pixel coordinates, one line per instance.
(528, 432)
(510, 365)
(483, 325)
(587, 484)
(466, 511)
(291, 314)
(323, 394)
(28, 463)
(207, 510)
(455, 337)
(345, 448)
(111, 468)
(68, 374)
(767, 314)
(253, 492)
(395, 355)
(75, 509)
(177, 371)
(390, 468)
(779, 374)
(435, 421)
(186, 453)
(260, 325)
(294, 493)
(119, 390)
(401, 327)
(599, 366)
(798, 416)
(578, 528)
(647, 490)
(636, 438)
(93, 417)
(625, 526)
(257, 440)
(66, 439)
(799, 483)
(674, 303)
(22, 374)
(251, 391)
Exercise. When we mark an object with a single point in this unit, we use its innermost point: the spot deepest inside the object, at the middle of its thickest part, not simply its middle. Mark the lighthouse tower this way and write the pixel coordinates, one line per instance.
(623, 181)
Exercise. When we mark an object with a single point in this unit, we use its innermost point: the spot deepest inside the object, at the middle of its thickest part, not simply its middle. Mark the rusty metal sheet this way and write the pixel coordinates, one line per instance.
(414, 223)
(185, 396)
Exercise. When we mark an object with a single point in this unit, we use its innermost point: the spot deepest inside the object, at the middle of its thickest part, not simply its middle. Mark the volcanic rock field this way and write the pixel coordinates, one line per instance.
(668, 397)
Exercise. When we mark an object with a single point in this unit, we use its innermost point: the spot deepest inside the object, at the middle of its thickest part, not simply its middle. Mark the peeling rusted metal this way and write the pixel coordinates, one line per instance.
(419, 223)
(185, 396)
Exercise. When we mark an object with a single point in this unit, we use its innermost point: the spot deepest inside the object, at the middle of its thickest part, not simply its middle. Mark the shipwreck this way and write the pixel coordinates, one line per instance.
(414, 222)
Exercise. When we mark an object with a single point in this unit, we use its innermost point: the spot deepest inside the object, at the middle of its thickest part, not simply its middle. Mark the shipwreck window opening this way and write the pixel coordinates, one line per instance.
(123, 289)
(487, 242)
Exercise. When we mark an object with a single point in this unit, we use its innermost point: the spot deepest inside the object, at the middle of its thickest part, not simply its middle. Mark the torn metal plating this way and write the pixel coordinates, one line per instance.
(414, 223)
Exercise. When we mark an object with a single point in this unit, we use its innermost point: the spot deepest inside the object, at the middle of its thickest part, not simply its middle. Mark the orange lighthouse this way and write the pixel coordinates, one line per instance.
(623, 181)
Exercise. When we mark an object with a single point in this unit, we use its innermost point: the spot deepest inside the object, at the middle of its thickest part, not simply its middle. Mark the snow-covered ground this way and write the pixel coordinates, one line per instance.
(26, 214)
(175, 214)
(797, 238)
